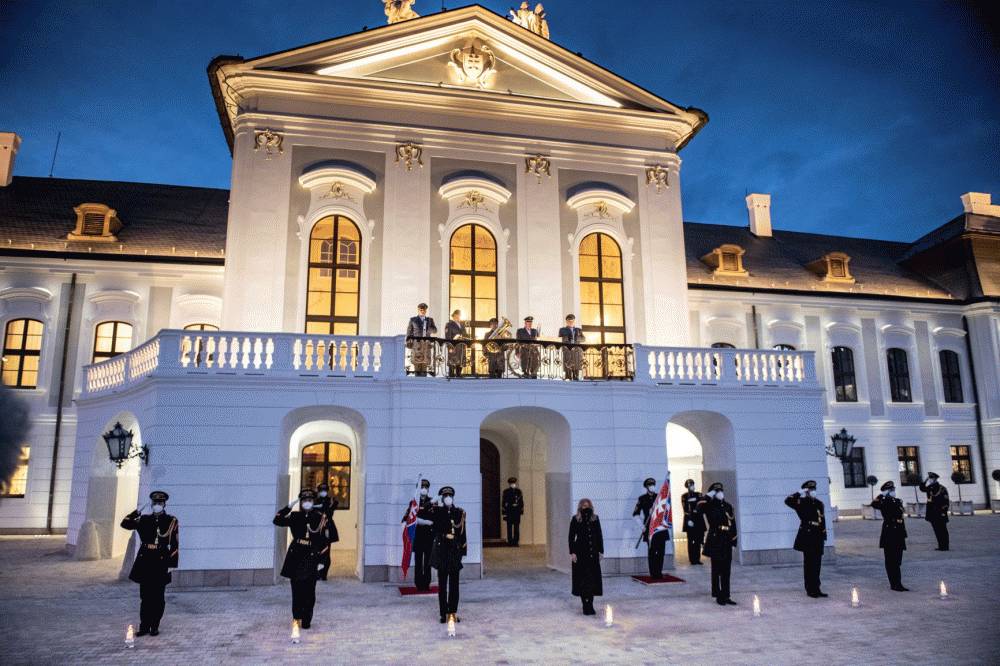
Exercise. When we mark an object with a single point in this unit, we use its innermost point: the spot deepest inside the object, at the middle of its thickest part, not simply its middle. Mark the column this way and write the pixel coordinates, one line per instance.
(539, 253)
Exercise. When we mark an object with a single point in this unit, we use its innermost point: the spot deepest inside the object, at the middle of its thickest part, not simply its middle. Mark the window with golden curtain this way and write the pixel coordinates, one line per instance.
(602, 298)
(472, 276)
(22, 349)
(334, 287)
(328, 462)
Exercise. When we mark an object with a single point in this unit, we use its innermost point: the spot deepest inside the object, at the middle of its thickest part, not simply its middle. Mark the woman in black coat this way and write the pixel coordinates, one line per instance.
(586, 548)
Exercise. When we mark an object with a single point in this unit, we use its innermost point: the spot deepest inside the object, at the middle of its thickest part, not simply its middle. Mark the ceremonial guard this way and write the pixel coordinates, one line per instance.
(586, 548)
(327, 505)
(937, 509)
(159, 547)
(657, 547)
(512, 508)
(305, 556)
(893, 538)
(572, 356)
(423, 539)
(418, 330)
(811, 536)
(694, 524)
(720, 519)
(494, 353)
(455, 334)
(450, 546)
(529, 354)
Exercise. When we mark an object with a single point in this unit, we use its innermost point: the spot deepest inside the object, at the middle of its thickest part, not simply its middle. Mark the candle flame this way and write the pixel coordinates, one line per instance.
(609, 615)
(943, 590)
(855, 598)
(451, 625)
(296, 634)
(756, 606)
(130, 636)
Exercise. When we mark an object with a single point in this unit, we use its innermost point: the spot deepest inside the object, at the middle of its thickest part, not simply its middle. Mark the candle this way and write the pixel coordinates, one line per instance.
(943, 591)
(609, 616)
(295, 631)
(855, 598)
(756, 606)
(451, 626)
(130, 637)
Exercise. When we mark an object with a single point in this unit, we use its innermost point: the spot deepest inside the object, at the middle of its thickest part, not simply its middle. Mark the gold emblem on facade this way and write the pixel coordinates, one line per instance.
(269, 141)
(538, 165)
(474, 64)
(658, 176)
(409, 154)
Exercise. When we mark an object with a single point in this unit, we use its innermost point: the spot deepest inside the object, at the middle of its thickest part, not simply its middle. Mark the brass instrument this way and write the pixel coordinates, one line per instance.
(502, 332)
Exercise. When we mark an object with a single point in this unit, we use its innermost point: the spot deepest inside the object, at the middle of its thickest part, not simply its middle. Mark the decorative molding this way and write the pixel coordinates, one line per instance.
(337, 191)
(538, 166)
(409, 154)
(339, 179)
(114, 296)
(947, 331)
(106, 216)
(474, 191)
(473, 64)
(116, 304)
(785, 323)
(604, 203)
(659, 176)
(35, 294)
(843, 327)
(887, 329)
(196, 309)
(269, 141)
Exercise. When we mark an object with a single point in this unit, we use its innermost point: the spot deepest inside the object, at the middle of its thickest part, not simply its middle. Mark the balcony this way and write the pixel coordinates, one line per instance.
(295, 356)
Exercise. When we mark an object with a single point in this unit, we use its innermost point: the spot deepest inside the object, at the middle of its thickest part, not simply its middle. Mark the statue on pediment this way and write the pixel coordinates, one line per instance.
(534, 21)
(399, 10)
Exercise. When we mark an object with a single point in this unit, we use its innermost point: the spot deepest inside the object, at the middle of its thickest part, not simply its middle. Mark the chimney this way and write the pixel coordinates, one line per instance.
(979, 203)
(759, 210)
(9, 143)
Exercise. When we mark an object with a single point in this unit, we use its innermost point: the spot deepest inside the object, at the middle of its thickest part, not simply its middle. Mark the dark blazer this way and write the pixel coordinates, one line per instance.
(645, 504)
(893, 528)
(721, 520)
(525, 334)
(417, 330)
(450, 541)
(159, 546)
(572, 335)
(586, 541)
(453, 329)
(308, 544)
(937, 503)
(812, 523)
(689, 502)
(425, 533)
(328, 505)
(512, 504)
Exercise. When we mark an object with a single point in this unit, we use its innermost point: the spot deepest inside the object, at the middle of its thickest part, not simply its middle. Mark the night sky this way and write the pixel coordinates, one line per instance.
(860, 118)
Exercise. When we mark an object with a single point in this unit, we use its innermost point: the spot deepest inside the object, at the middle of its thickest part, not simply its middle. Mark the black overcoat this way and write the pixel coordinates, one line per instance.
(812, 523)
(308, 544)
(159, 546)
(586, 541)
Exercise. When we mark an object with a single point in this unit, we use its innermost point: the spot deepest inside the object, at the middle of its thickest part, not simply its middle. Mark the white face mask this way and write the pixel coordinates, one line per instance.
(720, 495)
(810, 493)
(423, 492)
(513, 485)
(449, 500)
(690, 487)
(891, 493)
(307, 505)
(931, 482)
(322, 493)
(158, 508)
(649, 489)
(710, 493)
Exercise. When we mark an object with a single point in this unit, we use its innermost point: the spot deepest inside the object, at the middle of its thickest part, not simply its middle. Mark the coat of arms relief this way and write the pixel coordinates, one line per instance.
(475, 64)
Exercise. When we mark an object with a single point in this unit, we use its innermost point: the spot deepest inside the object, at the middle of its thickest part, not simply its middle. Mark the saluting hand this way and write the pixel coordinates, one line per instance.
(293, 503)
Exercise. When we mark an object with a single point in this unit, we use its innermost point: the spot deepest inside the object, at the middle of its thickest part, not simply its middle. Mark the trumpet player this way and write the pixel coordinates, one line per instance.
(494, 353)
(570, 334)
(454, 333)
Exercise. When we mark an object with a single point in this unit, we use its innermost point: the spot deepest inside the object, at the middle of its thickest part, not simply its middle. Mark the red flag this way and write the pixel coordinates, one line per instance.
(662, 517)
(409, 533)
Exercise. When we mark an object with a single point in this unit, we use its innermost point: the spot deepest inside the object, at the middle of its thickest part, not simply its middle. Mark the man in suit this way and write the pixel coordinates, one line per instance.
(423, 539)
(694, 524)
(418, 330)
(450, 546)
(529, 354)
(494, 359)
(570, 334)
(327, 505)
(455, 334)
(512, 507)
(159, 549)
(720, 519)
(811, 536)
(892, 541)
(937, 509)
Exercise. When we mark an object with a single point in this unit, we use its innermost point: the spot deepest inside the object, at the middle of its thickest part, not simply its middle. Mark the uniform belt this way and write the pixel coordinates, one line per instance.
(724, 529)
(449, 536)
(814, 522)
(899, 520)
(151, 546)
(304, 542)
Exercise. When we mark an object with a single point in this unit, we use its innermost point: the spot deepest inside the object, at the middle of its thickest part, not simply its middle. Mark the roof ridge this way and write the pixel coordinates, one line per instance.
(120, 182)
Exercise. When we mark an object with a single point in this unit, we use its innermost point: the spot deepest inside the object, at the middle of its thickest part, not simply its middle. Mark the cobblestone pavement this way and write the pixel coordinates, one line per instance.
(56, 610)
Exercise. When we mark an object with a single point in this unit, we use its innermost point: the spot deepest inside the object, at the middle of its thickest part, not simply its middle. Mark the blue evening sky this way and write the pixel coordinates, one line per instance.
(860, 118)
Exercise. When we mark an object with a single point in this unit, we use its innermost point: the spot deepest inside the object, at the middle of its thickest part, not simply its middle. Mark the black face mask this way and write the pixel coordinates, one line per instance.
(586, 513)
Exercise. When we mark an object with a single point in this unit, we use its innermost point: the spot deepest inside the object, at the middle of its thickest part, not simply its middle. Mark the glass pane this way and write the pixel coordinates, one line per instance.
(320, 279)
(613, 316)
(609, 248)
(318, 303)
(320, 251)
(346, 229)
(339, 453)
(484, 239)
(590, 315)
(124, 342)
(347, 281)
(323, 229)
(317, 328)
(313, 453)
(614, 338)
(588, 246)
(461, 286)
(589, 292)
(485, 308)
(347, 251)
(102, 343)
(346, 305)
(312, 476)
(463, 304)
(461, 258)
(486, 260)
(588, 266)
(611, 267)
(462, 237)
(29, 379)
(486, 286)
(345, 328)
(612, 293)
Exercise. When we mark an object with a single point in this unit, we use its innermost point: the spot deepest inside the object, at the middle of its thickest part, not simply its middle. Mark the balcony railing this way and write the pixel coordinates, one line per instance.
(221, 354)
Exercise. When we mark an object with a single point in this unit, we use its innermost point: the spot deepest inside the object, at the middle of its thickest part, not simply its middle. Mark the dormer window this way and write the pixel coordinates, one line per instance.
(727, 260)
(95, 222)
(833, 267)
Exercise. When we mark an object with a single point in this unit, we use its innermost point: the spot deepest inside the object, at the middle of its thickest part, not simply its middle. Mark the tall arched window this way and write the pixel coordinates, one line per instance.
(951, 376)
(201, 327)
(328, 462)
(472, 276)
(22, 348)
(334, 287)
(602, 300)
(899, 375)
(845, 388)
(110, 339)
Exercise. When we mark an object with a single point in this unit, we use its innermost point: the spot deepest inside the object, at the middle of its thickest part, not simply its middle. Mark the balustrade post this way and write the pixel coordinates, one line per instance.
(169, 361)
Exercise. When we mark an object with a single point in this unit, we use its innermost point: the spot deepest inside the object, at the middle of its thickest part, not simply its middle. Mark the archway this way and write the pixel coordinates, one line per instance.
(489, 470)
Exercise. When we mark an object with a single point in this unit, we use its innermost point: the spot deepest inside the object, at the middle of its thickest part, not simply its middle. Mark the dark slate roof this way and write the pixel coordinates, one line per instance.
(169, 221)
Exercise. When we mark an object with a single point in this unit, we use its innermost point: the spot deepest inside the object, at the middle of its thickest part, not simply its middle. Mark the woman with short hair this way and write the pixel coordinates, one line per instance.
(586, 548)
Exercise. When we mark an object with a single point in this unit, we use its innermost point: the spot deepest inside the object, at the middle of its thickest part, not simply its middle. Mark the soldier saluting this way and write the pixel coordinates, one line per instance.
(450, 546)
(893, 538)
(720, 541)
(694, 524)
(512, 508)
(304, 559)
(159, 547)
(811, 536)
(327, 505)
(937, 508)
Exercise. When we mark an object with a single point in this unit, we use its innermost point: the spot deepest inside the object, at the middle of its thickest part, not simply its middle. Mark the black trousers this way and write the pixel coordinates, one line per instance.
(722, 566)
(514, 532)
(893, 564)
(657, 547)
(447, 591)
(941, 533)
(422, 567)
(151, 604)
(812, 562)
(324, 559)
(303, 600)
(695, 542)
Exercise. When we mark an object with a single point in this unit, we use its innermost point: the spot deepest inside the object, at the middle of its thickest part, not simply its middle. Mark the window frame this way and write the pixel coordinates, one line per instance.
(474, 318)
(958, 457)
(601, 330)
(951, 376)
(838, 354)
(101, 356)
(22, 352)
(898, 369)
(852, 477)
(199, 326)
(904, 458)
(334, 266)
(23, 464)
(326, 466)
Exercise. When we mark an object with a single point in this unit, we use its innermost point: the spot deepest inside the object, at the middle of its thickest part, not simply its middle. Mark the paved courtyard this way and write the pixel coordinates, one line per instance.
(56, 610)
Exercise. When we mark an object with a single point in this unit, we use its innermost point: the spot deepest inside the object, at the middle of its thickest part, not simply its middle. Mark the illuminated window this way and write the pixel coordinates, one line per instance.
(201, 327)
(328, 462)
(602, 300)
(334, 289)
(961, 462)
(855, 474)
(909, 465)
(899, 375)
(951, 376)
(110, 339)
(22, 348)
(843, 375)
(472, 276)
(18, 483)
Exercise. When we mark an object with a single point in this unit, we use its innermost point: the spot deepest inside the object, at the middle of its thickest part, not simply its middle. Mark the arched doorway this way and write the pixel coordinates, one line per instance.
(489, 470)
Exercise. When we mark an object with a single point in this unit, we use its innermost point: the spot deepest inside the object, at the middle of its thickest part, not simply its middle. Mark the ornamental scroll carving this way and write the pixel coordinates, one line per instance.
(268, 141)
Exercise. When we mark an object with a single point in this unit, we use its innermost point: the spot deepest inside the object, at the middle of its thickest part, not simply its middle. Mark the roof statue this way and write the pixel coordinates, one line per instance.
(399, 10)
(532, 20)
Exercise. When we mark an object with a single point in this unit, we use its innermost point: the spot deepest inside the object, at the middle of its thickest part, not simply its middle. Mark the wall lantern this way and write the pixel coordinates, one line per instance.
(120, 449)
(842, 445)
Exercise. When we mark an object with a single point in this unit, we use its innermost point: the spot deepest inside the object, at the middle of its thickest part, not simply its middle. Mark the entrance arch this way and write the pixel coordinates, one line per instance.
(489, 470)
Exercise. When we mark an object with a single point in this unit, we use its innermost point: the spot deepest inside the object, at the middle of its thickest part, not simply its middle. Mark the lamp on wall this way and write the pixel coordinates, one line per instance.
(120, 449)
(842, 445)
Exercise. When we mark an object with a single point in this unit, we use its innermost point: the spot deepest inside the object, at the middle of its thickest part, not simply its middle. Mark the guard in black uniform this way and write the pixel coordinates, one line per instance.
(327, 505)
(424, 538)
(937, 508)
(893, 538)
(720, 519)
(657, 547)
(529, 354)
(159, 547)
(304, 559)
(450, 546)
(512, 508)
(694, 524)
(811, 536)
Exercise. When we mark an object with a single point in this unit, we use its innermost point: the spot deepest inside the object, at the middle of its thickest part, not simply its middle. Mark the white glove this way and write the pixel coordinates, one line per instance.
(690, 523)
(319, 567)
(293, 503)
(424, 521)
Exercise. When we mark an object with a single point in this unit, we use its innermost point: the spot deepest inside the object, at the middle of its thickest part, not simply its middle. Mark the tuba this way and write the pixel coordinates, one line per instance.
(502, 332)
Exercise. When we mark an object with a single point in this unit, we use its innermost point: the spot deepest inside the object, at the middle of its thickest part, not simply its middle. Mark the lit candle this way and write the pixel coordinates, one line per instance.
(295, 631)
(130, 637)
(756, 606)
(855, 598)
(451, 626)
(943, 591)
(609, 616)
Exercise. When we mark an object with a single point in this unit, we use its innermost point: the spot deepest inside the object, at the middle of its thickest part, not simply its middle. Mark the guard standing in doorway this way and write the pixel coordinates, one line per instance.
(720, 540)
(304, 559)
(937, 509)
(811, 536)
(893, 538)
(450, 546)
(512, 508)
(159, 548)
(327, 505)
(694, 524)
(423, 539)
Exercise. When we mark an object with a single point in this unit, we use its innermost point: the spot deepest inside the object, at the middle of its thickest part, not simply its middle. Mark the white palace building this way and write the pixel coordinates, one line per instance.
(253, 340)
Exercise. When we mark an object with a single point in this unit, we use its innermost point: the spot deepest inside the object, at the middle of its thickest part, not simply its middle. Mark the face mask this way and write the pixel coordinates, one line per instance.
(690, 486)
(423, 492)
(586, 512)
(710, 493)
(891, 493)
(650, 488)
(931, 482)
(810, 493)
(513, 485)
(157, 508)
(306, 506)
(322, 493)
(720, 495)
(448, 501)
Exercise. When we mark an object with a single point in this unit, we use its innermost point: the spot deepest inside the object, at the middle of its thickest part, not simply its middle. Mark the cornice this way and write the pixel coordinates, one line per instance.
(36, 294)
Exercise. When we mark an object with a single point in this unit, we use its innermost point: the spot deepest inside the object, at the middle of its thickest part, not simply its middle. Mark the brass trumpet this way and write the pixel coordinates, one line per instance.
(502, 332)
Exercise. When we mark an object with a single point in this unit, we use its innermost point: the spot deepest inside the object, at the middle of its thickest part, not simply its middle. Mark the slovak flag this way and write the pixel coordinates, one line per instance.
(662, 517)
(410, 530)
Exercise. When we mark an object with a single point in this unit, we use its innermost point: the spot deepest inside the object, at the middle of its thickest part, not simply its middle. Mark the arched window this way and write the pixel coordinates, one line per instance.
(784, 347)
(110, 339)
(951, 376)
(201, 327)
(329, 462)
(899, 375)
(722, 345)
(22, 348)
(602, 300)
(472, 276)
(844, 384)
(334, 286)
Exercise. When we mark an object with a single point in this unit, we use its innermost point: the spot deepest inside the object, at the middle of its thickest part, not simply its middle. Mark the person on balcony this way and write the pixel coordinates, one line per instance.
(327, 505)
(937, 509)
(494, 353)
(418, 332)
(570, 334)
(694, 524)
(529, 353)
(450, 546)
(304, 559)
(720, 540)
(586, 549)
(811, 536)
(159, 549)
(512, 508)
(455, 333)
(892, 541)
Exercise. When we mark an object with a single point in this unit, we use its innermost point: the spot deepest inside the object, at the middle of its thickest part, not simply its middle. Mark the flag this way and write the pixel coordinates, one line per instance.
(410, 529)
(662, 516)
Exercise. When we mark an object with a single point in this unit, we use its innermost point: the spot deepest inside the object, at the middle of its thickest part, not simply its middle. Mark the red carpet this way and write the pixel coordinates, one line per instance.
(411, 591)
(667, 578)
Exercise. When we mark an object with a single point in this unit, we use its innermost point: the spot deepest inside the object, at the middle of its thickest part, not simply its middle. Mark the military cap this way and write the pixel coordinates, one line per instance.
(529, 318)
(649, 481)
(932, 475)
(158, 496)
(570, 316)
(888, 485)
(689, 482)
(447, 491)
(809, 485)
(715, 487)
(512, 479)
(425, 483)
(306, 494)
(421, 306)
